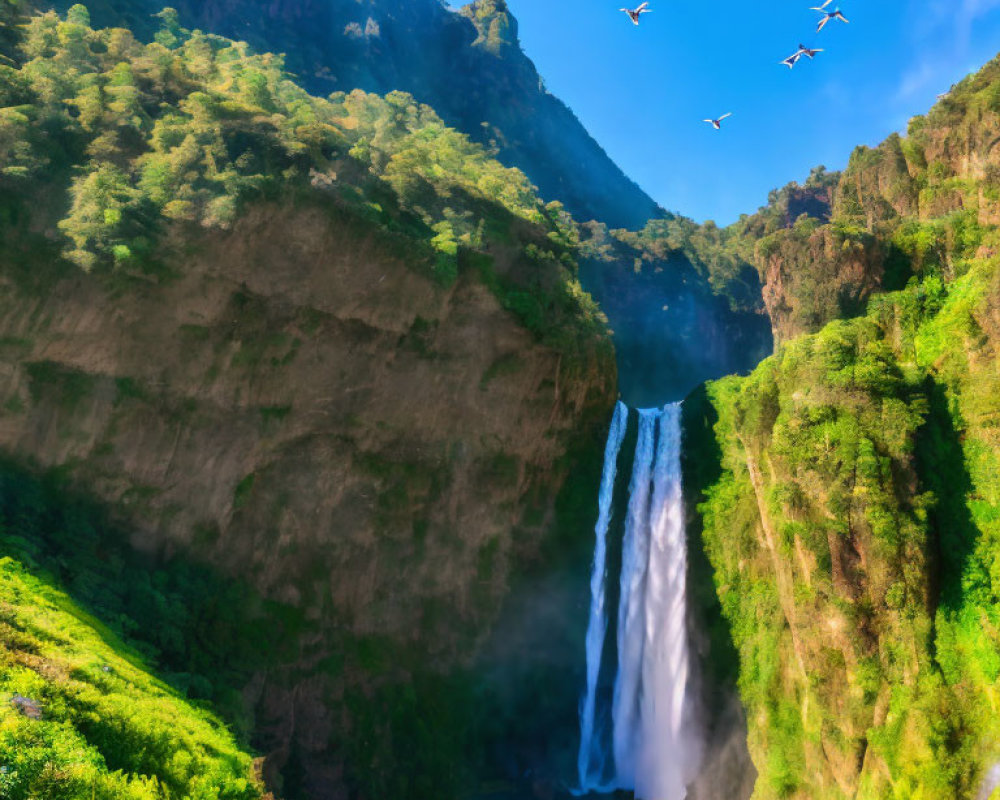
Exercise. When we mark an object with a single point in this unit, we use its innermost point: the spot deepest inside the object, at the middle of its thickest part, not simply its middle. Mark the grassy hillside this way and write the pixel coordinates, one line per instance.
(849, 489)
(106, 727)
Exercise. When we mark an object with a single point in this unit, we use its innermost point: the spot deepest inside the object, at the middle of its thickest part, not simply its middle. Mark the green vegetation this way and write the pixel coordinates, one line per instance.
(130, 140)
(913, 206)
(493, 22)
(850, 487)
(106, 728)
(202, 632)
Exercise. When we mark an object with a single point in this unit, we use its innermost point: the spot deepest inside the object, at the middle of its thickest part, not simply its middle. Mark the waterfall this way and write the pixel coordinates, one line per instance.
(991, 782)
(656, 746)
(631, 605)
(591, 761)
(667, 750)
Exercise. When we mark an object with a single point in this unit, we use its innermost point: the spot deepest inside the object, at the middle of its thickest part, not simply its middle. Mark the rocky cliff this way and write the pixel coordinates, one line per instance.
(306, 414)
(261, 330)
(847, 490)
(673, 327)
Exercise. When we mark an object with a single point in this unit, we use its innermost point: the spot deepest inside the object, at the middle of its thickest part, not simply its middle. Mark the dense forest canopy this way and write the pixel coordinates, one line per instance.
(189, 128)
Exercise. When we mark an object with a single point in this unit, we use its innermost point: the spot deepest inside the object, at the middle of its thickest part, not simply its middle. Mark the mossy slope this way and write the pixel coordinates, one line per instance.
(108, 728)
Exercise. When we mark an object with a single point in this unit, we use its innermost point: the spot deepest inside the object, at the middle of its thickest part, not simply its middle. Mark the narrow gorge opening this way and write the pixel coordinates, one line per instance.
(640, 732)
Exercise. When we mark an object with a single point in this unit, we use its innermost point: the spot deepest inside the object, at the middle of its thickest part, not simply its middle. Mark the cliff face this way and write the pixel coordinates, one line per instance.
(467, 65)
(813, 274)
(302, 410)
(671, 330)
(846, 491)
(851, 527)
(303, 400)
(325, 357)
(824, 248)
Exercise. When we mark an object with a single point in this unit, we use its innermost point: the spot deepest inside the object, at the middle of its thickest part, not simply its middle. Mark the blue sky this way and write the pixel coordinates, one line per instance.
(642, 92)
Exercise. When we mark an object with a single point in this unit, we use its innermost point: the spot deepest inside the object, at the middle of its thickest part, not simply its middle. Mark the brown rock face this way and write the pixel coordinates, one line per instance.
(300, 408)
(815, 276)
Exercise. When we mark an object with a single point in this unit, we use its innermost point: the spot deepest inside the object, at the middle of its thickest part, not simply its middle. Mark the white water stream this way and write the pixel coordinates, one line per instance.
(656, 746)
(591, 759)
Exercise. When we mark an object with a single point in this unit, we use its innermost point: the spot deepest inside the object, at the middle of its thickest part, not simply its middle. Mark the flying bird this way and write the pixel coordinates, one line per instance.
(795, 57)
(717, 123)
(792, 60)
(828, 15)
(635, 13)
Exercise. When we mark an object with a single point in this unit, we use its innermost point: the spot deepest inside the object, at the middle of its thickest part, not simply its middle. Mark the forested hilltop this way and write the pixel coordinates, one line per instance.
(320, 369)
(848, 491)
(467, 64)
(673, 327)
(191, 126)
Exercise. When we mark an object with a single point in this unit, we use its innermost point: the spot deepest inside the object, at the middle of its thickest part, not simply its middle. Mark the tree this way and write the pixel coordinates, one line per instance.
(78, 15)
(170, 33)
(11, 20)
(97, 217)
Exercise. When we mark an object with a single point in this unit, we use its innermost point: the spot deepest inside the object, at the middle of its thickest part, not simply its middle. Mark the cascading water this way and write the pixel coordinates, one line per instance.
(655, 742)
(591, 761)
(631, 605)
(669, 745)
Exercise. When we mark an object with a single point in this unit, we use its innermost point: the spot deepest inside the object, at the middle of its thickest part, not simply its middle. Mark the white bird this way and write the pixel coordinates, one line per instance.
(717, 123)
(635, 13)
(828, 15)
(792, 60)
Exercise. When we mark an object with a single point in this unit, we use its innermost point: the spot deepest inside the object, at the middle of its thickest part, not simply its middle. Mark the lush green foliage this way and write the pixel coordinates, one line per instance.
(108, 729)
(191, 127)
(852, 513)
(820, 561)
(204, 633)
(10, 18)
(853, 528)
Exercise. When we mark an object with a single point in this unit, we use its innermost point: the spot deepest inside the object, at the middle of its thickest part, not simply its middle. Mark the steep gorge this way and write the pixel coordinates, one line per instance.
(312, 355)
